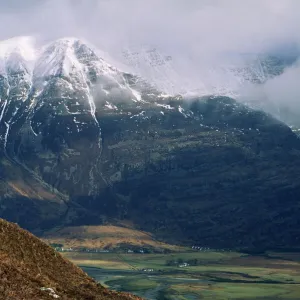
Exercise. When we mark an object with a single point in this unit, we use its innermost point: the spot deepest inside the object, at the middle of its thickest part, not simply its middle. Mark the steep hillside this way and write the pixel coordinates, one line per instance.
(29, 269)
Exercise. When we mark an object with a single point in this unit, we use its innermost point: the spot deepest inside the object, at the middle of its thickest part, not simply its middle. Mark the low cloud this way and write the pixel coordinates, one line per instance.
(204, 39)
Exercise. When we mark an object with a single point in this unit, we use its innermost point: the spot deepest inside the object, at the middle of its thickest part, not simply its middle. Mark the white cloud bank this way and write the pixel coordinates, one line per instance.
(201, 36)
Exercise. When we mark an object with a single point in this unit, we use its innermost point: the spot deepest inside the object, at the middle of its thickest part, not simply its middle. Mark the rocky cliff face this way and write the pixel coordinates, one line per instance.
(84, 143)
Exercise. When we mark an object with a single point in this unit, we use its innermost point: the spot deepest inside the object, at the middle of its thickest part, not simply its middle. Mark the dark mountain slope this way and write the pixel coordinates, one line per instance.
(227, 177)
(223, 176)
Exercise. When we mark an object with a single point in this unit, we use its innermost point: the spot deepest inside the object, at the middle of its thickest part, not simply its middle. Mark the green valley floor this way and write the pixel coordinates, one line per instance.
(193, 275)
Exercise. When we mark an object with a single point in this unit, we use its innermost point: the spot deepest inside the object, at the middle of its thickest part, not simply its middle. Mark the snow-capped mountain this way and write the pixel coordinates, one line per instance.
(82, 142)
(66, 63)
(66, 84)
(224, 75)
(70, 75)
(73, 70)
(53, 96)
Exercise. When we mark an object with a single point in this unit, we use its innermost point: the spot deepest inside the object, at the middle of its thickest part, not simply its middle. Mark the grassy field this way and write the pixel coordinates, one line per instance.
(216, 275)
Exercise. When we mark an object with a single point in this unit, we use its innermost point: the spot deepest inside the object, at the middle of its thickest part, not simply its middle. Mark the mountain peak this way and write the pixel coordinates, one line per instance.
(17, 55)
(25, 45)
(57, 58)
(67, 40)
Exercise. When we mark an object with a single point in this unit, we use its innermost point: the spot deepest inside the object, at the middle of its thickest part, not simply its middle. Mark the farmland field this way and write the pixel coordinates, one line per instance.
(195, 275)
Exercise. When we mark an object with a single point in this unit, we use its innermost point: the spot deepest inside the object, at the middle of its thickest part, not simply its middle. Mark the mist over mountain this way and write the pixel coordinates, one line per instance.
(198, 41)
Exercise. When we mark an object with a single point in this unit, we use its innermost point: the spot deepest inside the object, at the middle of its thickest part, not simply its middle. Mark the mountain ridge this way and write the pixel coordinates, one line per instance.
(113, 147)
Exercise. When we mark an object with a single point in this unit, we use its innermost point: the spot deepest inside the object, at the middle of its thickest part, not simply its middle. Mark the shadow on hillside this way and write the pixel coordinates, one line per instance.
(217, 196)
(32, 214)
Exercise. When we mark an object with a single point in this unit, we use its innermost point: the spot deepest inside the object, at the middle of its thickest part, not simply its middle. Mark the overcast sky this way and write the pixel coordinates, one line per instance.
(215, 25)
(196, 33)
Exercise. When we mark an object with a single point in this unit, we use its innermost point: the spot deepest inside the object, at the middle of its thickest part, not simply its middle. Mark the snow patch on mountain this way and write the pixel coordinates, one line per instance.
(17, 54)
(25, 45)
(56, 60)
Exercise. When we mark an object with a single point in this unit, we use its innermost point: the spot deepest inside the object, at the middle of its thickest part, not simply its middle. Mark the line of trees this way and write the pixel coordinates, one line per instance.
(179, 261)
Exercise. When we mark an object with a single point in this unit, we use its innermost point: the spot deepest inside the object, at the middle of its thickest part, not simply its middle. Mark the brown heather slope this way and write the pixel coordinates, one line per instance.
(105, 236)
(27, 264)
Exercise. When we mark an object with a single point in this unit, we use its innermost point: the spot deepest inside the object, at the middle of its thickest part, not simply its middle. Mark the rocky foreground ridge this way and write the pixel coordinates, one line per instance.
(29, 269)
